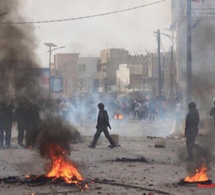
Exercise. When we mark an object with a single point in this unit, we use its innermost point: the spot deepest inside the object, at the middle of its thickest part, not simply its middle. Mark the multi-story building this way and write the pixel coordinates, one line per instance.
(66, 65)
(107, 73)
(87, 74)
(139, 72)
(111, 59)
(129, 77)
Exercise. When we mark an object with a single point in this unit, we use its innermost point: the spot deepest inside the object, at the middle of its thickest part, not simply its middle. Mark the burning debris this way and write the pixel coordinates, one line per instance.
(199, 177)
(118, 116)
(21, 81)
(54, 141)
(197, 171)
(61, 167)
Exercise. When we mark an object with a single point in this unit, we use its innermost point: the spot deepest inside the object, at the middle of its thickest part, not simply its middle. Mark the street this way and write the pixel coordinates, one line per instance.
(159, 175)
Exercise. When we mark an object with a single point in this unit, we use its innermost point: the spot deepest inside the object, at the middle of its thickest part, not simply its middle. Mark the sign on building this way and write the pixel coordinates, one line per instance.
(56, 84)
(203, 8)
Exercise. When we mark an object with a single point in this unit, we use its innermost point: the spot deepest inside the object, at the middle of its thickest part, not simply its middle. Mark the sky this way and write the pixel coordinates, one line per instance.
(132, 30)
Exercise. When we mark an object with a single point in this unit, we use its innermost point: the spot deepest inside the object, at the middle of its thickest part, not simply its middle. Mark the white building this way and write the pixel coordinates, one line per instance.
(129, 77)
(123, 77)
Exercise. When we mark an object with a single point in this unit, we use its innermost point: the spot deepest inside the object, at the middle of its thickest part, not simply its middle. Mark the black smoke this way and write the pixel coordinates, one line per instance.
(56, 132)
(17, 53)
(19, 76)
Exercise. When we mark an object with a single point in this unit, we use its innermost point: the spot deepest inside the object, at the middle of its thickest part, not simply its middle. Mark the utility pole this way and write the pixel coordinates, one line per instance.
(189, 53)
(159, 64)
(172, 81)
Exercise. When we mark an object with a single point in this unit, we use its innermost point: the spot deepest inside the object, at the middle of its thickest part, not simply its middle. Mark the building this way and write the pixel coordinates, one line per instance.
(123, 78)
(111, 59)
(129, 77)
(87, 74)
(66, 65)
(139, 66)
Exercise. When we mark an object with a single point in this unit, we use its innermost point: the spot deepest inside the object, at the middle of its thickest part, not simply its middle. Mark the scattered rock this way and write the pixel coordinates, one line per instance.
(160, 144)
(98, 188)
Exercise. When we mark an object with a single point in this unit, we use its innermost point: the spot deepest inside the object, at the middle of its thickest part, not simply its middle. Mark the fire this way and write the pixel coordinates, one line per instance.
(118, 116)
(199, 176)
(61, 167)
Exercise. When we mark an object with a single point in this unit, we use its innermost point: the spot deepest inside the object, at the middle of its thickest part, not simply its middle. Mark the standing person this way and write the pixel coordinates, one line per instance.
(20, 119)
(212, 112)
(9, 122)
(3, 124)
(137, 106)
(191, 130)
(152, 109)
(6, 119)
(29, 123)
(33, 127)
(102, 126)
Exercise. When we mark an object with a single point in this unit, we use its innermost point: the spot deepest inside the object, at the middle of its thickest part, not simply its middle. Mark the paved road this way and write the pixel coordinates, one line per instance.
(131, 127)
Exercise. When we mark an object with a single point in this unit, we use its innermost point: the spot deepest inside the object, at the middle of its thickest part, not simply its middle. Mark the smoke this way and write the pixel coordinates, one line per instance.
(203, 64)
(202, 158)
(203, 79)
(17, 53)
(20, 76)
(56, 132)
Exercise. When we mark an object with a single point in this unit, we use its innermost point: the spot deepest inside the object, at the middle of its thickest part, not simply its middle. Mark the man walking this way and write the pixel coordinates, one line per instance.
(212, 112)
(102, 126)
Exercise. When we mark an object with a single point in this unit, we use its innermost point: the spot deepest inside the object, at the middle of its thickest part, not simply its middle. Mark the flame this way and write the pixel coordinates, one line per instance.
(61, 167)
(199, 176)
(118, 116)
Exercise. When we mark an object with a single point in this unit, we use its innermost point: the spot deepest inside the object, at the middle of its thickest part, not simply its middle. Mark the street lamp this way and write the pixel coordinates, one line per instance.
(50, 45)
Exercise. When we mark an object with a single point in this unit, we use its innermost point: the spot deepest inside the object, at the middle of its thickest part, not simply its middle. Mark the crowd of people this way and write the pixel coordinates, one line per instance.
(139, 108)
(26, 116)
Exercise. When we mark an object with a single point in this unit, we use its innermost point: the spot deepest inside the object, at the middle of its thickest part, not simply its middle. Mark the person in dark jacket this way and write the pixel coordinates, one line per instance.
(212, 112)
(10, 120)
(191, 130)
(6, 119)
(20, 119)
(102, 126)
(3, 125)
(35, 121)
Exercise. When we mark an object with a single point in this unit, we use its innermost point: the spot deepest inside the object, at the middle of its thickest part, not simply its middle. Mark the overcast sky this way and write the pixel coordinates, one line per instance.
(132, 30)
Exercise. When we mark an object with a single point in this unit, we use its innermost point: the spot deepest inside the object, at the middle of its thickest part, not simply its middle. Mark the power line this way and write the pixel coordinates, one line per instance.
(84, 17)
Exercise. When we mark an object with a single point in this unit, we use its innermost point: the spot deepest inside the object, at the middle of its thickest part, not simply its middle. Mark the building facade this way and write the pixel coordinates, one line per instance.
(66, 65)
(111, 59)
(87, 74)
